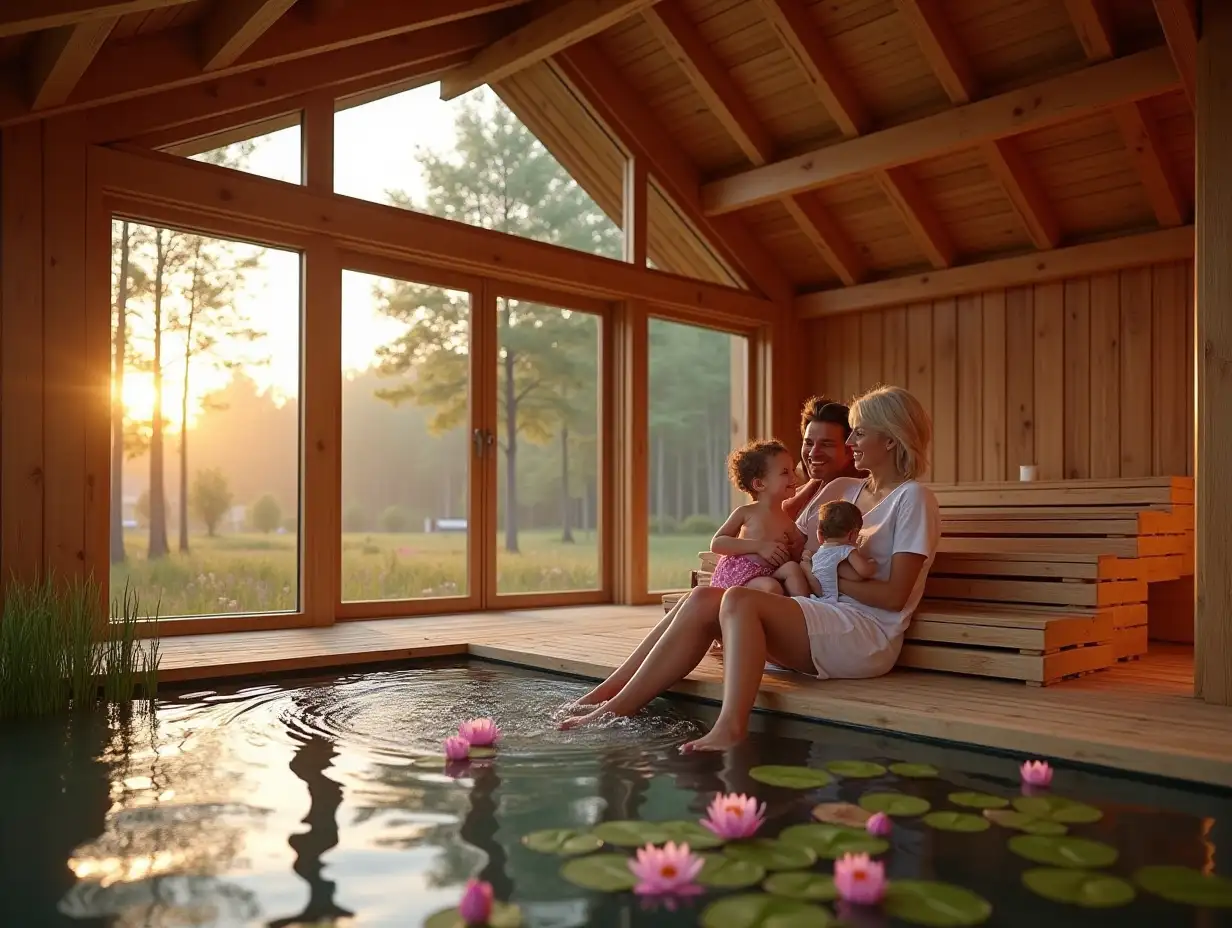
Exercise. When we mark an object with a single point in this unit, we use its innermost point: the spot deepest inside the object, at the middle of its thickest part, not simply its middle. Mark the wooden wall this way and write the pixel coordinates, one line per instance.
(1090, 377)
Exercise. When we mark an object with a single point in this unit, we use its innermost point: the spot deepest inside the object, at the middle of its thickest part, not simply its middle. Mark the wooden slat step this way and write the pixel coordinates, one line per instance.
(1054, 592)
(1054, 566)
(1022, 631)
(1075, 520)
(1128, 492)
(1128, 643)
(1133, 546)
(1039, 669)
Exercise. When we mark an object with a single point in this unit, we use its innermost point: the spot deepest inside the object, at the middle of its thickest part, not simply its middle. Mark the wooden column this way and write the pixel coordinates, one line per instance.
(631, 434)
(1213, 359)
(317, 143)
(633, 218)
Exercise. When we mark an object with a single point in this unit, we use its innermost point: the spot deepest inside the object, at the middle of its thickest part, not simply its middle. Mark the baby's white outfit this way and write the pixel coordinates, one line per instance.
(825, 569)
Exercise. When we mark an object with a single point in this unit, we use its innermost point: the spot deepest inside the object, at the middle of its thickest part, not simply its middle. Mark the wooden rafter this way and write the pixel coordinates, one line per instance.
(540, 39)
(233, 26)
(1146, 147)
(61, 57)
(731, 106)
(1059, 99)
(1090, 21)
(634, 220)
(151, 64)
(1025, 192)
(1179, 20)
(903, 190)
(630, 120)
(935, 36)
(20, 16)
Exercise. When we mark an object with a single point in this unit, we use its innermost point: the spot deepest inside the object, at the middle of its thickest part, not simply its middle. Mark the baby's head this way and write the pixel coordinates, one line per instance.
(839, 521)
(762, 468)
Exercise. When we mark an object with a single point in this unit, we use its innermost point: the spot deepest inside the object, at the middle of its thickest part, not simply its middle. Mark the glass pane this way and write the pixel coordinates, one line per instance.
(205, 494)
(548, 450)
(698, 415)
(469, 159)
(405, 439)
(277, 155)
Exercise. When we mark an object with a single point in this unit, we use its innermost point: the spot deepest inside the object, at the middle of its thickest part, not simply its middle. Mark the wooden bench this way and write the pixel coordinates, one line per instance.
(1039, 582)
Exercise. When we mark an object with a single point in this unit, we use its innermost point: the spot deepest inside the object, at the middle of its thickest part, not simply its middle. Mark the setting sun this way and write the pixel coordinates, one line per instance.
(139, 401)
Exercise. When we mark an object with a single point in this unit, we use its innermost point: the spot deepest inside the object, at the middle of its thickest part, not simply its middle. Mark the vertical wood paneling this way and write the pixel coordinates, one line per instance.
(945, 391)
(1168, 369)
(1077, 379)
(872, 364)
(1019, 380)
(895, 345)
(1049, 351)
(848, 350)
(1190, 386)
(1105, 376)
(1136, 372)
(920, 353)
(993, 424)
(970, 388)
(21, 351)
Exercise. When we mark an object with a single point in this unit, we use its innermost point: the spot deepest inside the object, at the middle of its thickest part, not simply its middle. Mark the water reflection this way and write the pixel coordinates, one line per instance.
(301, 803)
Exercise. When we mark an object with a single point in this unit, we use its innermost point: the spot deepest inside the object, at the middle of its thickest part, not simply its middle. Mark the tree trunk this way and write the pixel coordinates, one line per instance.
(158, 547)
(660, 480)
(118, 554)
(192, 315)
(511, 454)
(679, 461)
(566, 516)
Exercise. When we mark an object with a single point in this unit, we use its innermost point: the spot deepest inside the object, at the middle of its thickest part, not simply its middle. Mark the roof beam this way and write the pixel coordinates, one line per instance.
(1049, 102)
(905, 193)
(540, 39)
(938, 41)
(823, 230)
(631, 121)
(1071, 261)
(21, 16)
(1142, 137)
(1179, 20)
(61, 57)
(1026, 193)
(233, 26)
(1094, 30)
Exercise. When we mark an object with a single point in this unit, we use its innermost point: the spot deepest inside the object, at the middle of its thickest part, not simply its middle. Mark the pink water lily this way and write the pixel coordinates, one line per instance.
(734, 816)
(1036, 773)
(859, 879)
(457, 748)
(476, 905)
(668, 870)
(879, 824)
(481, 733)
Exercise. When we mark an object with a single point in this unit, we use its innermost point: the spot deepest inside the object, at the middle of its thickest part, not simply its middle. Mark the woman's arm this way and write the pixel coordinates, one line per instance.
(891, 594)
(863, 565)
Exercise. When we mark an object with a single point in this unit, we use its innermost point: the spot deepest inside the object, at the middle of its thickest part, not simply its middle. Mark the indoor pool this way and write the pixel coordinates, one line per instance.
(314, 801)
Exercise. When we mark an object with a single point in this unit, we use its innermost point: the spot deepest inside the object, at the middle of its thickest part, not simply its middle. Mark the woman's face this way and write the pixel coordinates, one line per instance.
(823, 452)
(870, 451)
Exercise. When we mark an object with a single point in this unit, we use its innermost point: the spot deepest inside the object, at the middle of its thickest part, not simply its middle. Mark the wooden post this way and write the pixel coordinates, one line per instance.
(630, 327)
(317, 143)
(633, 218)
(741, 406)
(1213, 360)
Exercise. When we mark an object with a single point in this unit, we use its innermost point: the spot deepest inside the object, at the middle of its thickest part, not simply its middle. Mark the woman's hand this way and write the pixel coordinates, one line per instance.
(774, 553)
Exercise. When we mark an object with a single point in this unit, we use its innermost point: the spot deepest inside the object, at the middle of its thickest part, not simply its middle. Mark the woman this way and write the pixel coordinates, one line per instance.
(858, 637)
(823, 436)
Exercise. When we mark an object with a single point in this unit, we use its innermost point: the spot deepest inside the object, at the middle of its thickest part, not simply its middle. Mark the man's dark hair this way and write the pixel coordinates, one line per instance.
(821, 409)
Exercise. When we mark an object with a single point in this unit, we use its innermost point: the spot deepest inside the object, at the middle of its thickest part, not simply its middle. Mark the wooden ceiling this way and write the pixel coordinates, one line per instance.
(811, 144)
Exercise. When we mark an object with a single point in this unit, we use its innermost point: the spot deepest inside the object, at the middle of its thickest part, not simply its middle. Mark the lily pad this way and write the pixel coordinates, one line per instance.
(1063, 852)
(1186, 886)
(630, 833)
(753, 909)
(841, 813)
(503, 916)
(431, 762)
(1079, 887)
(831, 842)
(979, 800)
(723, 872)
(481, 753)
(940, 905)
(690, 833)
(801, 884)
(894, 804)
(607, 873)
(856, 769)
(955, 821)
(563, 841)
(914, 771)
(790, 777)
(1020, 821)
(1058, 809)
(771, 853)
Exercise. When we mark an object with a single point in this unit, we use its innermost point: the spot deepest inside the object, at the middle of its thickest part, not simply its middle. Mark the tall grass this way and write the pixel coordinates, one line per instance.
(58, 653)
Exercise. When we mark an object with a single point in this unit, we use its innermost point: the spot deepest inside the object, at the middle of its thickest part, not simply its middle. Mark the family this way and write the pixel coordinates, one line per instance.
(821, 579)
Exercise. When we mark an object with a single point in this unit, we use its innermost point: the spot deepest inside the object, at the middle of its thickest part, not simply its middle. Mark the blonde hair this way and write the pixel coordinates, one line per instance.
(897, 414)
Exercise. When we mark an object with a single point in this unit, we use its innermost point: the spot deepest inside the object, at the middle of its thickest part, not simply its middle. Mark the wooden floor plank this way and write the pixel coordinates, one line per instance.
(1138, 716)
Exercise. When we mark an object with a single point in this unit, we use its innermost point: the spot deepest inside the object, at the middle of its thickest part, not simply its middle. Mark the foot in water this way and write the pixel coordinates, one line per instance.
(717, 739)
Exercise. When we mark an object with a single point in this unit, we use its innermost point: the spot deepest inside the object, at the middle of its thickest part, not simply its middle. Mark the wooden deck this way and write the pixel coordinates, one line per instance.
(1138, 716)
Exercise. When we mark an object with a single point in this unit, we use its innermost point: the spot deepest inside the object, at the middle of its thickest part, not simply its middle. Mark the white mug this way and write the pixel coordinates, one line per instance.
(1028, 472)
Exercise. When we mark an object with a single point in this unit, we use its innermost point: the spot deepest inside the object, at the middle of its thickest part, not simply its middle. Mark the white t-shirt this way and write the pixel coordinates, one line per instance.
(908, 521)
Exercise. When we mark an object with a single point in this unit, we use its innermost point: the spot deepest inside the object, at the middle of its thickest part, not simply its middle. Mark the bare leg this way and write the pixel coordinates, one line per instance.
(766, 585)
(755, 626)
(679, 649)
(792, 576)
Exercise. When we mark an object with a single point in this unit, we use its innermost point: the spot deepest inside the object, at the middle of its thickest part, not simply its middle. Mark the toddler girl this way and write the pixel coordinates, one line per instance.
(838, 533)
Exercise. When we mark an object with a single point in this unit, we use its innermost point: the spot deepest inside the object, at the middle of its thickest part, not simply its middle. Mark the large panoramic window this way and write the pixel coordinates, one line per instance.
(276, 154)
(469, 159)
(205, 423)
(697, 415)
(405, 440)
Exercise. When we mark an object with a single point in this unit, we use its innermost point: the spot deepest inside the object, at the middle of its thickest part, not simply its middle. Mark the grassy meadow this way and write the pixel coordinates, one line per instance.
(249, 573)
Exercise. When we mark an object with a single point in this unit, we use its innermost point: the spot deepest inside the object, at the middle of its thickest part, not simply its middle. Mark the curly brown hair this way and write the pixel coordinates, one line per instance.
(838, 519)
(752, 462)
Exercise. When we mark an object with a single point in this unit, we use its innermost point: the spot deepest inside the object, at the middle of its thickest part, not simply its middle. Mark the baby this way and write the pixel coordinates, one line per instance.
(760, 545)
(838, 532)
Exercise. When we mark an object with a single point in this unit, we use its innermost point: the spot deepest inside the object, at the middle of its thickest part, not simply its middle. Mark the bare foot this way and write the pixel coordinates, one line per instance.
(578, 721)
(596, 697)
(717, 739)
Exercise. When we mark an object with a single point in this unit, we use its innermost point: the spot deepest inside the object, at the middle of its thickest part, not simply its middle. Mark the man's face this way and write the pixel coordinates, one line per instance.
(824, 454)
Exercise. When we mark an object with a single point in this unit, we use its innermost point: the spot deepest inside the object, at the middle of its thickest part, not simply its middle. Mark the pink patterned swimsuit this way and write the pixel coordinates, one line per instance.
(738, 570)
